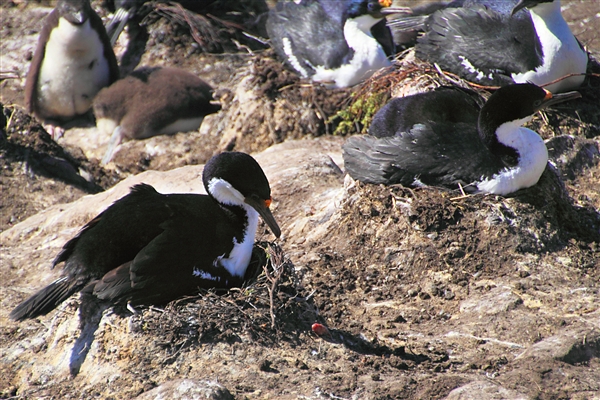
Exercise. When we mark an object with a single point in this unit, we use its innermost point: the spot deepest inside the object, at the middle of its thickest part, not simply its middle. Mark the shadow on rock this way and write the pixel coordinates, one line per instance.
(359, 344)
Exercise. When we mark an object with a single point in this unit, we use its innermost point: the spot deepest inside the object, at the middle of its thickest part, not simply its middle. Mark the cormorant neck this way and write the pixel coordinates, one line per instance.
(224, 193)
(363, 23)
(239, 257)
(488, 128)
(547, 10)
(530, 159)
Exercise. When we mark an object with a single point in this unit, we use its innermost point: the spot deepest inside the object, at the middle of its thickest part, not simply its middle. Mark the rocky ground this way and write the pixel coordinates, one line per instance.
(426, 294)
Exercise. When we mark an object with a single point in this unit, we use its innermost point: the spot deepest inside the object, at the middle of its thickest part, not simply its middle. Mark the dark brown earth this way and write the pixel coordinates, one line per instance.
(426, 293)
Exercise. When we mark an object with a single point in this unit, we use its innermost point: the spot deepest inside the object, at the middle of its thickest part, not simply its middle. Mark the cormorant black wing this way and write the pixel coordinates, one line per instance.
(480, 44)
(306, 36)
(425, 155)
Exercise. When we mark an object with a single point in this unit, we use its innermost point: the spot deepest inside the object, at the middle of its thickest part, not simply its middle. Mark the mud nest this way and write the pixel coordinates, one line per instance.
(269, 308)
(460, 230)
(218, 27)
(410, 75)
(271, 104)
(24, 140)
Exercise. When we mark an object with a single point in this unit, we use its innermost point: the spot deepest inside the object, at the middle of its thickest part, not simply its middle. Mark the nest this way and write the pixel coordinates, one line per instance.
(23, 139)
(222, 26)
(405, 77)
(271, 104)
(410, 75)
(268, 308)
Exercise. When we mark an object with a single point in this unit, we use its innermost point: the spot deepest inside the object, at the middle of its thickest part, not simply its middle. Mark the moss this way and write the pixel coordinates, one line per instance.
(356, 118)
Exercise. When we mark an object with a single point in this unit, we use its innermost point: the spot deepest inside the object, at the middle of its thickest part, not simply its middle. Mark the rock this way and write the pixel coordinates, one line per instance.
(188, 389)
(572, 154)
(497, 300)
(573, 345)
(484, 390)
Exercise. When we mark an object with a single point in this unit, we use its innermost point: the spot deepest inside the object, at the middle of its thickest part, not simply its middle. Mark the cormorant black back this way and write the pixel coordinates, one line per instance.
(150, 248)
(494, 154)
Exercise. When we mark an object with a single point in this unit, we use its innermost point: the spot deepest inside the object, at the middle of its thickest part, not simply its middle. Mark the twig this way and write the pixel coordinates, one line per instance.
(9, 122)
(227, 24)
(567, 76)
(465, 196)
(462, 191)
(8, 75)
(545, 118)
(448, 76)
(277, 261)
(243, 47)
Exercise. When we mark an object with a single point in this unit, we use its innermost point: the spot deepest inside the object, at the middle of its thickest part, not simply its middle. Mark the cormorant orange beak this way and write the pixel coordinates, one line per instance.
(551, 99)
(262, 207)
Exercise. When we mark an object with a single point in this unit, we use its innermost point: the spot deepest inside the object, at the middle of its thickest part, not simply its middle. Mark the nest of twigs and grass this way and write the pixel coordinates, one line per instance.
(270, 307)
(405, 77)
(219, 27)
(409, 75)
(271, 104)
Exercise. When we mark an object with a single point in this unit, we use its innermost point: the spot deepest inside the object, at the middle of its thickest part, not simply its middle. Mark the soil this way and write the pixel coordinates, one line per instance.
(418, 293)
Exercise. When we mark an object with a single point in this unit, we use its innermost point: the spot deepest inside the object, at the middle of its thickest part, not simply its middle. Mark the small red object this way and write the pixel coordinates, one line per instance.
(320, 329)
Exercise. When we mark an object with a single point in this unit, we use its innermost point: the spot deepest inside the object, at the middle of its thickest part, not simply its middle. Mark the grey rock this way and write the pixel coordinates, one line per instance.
(497, 300)
(187, 389)
(484, 390)
(571, 345)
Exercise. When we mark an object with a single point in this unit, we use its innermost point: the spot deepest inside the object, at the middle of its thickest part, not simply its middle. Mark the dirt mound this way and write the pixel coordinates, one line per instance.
(270, 105)
(422, 293)
(33, 164)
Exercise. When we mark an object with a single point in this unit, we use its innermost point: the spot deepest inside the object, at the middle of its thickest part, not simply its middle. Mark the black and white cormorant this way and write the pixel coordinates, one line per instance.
(72, 62)
(152, 101)
(331, 41)
(493, 154)
(150, 248)
(502, 42)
